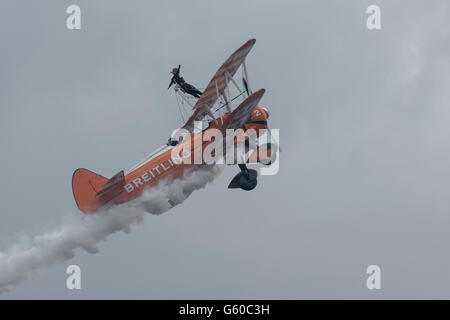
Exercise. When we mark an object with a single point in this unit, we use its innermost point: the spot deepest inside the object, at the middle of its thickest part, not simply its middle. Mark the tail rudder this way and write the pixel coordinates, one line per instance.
(85, 185)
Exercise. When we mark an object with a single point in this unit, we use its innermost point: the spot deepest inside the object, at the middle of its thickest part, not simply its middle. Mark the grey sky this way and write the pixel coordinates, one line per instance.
(363, 116)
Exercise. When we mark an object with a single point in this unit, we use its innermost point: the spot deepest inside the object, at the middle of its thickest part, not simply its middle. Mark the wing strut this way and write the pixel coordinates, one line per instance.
(236, 85)
(227, 91)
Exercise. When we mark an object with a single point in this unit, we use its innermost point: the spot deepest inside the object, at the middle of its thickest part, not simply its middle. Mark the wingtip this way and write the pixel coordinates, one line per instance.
(251, 42)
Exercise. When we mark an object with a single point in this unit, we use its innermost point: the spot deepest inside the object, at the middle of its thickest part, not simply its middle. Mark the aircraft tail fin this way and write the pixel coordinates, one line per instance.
(85, 186)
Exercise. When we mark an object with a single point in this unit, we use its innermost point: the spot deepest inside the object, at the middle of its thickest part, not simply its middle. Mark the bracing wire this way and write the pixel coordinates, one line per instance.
(179, 107)
(224, 104)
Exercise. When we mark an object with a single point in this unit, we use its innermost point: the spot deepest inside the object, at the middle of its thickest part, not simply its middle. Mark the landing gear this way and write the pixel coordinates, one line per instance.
(246, 179)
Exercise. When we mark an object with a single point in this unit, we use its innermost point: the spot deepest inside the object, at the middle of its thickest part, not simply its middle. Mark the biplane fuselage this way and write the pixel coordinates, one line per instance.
(157, 167)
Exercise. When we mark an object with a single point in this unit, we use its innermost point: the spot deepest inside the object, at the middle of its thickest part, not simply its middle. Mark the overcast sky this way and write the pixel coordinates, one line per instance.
(364, 124)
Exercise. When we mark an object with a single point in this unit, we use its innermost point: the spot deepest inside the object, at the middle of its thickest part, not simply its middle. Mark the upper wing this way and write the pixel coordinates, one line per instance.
(240, 115)
(218, 84)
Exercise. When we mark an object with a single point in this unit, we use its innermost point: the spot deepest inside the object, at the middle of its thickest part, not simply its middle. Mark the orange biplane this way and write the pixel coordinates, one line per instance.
(93, 191)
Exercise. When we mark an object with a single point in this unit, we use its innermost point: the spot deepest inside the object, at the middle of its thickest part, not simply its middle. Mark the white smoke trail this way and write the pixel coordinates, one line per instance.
(86, 231)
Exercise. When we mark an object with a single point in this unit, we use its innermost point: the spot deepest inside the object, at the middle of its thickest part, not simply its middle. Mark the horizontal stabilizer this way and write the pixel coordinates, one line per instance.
(112, 187)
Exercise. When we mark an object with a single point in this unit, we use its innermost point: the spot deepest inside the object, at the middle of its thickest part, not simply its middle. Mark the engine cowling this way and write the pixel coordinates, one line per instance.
(257, 120)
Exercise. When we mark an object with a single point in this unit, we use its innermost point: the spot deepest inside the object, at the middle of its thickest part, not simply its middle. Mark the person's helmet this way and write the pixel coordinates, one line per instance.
(174, 70)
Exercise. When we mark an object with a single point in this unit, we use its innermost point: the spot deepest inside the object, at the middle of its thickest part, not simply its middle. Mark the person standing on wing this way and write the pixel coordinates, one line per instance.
(184, 86)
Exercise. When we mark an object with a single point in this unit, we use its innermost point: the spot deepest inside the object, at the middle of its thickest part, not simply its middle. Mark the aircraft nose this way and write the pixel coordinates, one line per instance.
(267, 114)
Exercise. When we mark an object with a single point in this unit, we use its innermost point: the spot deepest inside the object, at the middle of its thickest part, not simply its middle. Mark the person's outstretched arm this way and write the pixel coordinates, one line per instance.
(171, 83)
